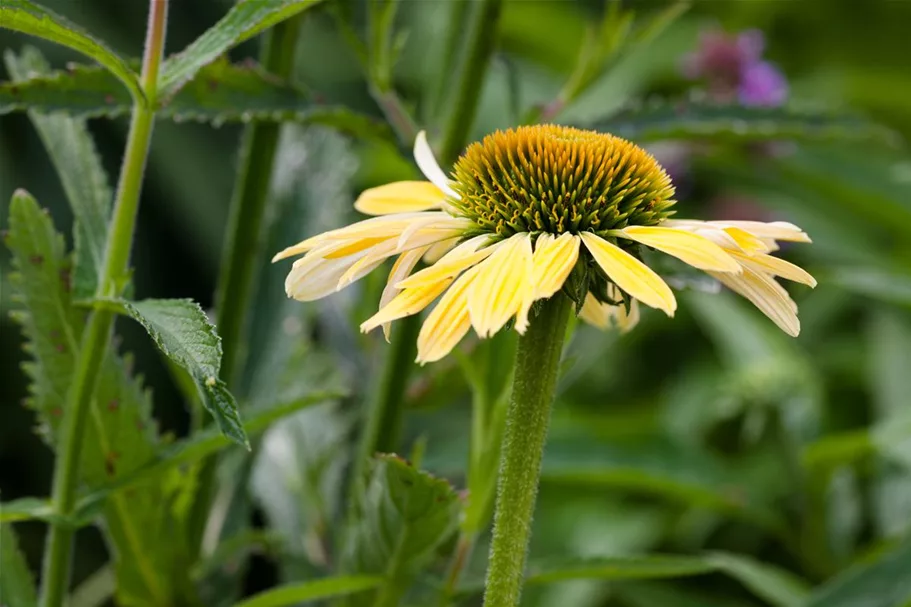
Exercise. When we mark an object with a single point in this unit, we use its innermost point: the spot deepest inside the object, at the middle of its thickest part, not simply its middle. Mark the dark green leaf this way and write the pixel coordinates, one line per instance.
(29, 18)
(182, 331)
(78, 165)
(219, 93)
(403, 516)
(245, 20)
(120, 435)
(694, 120)
(883, 582)
(292, 594)
(17, 587)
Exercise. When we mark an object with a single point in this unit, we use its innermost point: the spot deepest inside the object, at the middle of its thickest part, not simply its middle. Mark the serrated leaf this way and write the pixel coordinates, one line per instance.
(17, 586)
(120, 434)
(219, 93)
(78, 165)
(326, 588)
(699, 120)
(884, 582)
(403, 516)
(30, 18)
(182, 331)
(245, 20)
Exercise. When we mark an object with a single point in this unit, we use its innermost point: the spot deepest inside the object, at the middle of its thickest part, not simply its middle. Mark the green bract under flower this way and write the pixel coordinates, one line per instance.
(557, 179)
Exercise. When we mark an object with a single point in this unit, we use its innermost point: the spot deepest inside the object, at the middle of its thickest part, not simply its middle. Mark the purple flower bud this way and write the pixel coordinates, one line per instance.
(762, 84)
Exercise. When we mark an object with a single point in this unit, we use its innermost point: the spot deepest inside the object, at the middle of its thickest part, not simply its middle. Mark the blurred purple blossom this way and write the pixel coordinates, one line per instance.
(733, 69)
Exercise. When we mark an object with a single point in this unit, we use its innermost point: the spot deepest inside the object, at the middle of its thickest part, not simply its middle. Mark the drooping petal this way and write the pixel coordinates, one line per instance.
(437, 251)
(400, 270)
(686, 246)
(400, 197)
(449, 321)
(428, 164)
(767, 295)
(452, 263)
(406, 303)
(776, 230)
(595, 313)
(554, 259)
(313, 277)
(630, 274)
(746, 242)
(776, 267)
(502, 285)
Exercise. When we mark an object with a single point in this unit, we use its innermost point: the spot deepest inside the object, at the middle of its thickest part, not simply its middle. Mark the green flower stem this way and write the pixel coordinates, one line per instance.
(537, 369)
(480, 45)
(97, 336)
(243, 243)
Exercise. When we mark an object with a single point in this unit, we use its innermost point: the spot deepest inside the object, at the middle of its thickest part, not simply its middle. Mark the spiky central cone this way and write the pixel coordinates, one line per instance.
(559, 179)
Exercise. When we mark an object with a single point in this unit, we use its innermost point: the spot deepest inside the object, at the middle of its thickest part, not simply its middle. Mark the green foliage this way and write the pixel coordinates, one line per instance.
(243, 21)
(17, 587)
(292, 594)
(218, 93)
(402, 516)
(76, 160)
(30, 18)
(182, 331)
(881, 582)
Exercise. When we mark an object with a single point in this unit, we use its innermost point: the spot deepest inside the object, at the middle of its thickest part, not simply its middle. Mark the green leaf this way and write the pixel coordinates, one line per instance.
(25, 509)
(292, 594)
(776, 586)
(120, 434)
(880, 283)
(883, 582)
(245, 20)
(30, 18)
(17, 587)
(698, 120)
(78, 165)
(404, 514)
(182, 331)
(621, 568)
(219, 93)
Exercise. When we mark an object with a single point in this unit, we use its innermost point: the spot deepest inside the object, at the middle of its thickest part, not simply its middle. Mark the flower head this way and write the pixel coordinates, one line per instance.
(530, 212)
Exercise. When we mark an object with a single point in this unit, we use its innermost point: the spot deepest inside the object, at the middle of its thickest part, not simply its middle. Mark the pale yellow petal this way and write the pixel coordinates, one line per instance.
(554, 259)
(400, 269)
(439, 249)
(767, 295)
(595, 313)
(776, 230)
(746, 241)
(453, 263)
(776, 267)
(626, 321)
(428, 164)
(313, 277)
(406, 303)
(400, 197)
(502, 285)
(686, 246)
(630, 274)
(449, 321)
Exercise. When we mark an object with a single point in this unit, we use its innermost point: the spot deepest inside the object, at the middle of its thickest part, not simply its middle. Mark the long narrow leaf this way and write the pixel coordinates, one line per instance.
(292, 594)
(30, 18)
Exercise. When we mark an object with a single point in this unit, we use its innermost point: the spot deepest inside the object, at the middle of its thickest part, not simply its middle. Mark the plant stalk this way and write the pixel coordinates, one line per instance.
(480, 45)
(244, 241)
(97, 335)
(537, 369)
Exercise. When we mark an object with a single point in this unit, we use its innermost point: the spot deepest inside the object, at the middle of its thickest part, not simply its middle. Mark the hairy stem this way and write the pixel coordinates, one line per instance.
(480, 45)
(97, 335)
(537, 368)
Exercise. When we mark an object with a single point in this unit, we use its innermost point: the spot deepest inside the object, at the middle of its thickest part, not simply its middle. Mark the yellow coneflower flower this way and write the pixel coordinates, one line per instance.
(528, 212)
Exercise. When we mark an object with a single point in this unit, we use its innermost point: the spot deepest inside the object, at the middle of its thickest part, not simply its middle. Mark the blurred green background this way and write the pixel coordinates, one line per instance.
(711, 430)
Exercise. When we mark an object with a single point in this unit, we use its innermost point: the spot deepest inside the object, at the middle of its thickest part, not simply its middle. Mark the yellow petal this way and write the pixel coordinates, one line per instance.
(625, 321)
(452, 264)
(406, 303)
(400, 197)
(776, 267)
(313, 277)
(502, 285)
(355, 246)
(375, 256)
(630, 274)
(746, 241)
(595, 313)
(400, 269)
(428, 164)
(449, 321)
(767, 295)
(554, 259)
(688, 247)
(777, 230)
(439, 249)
